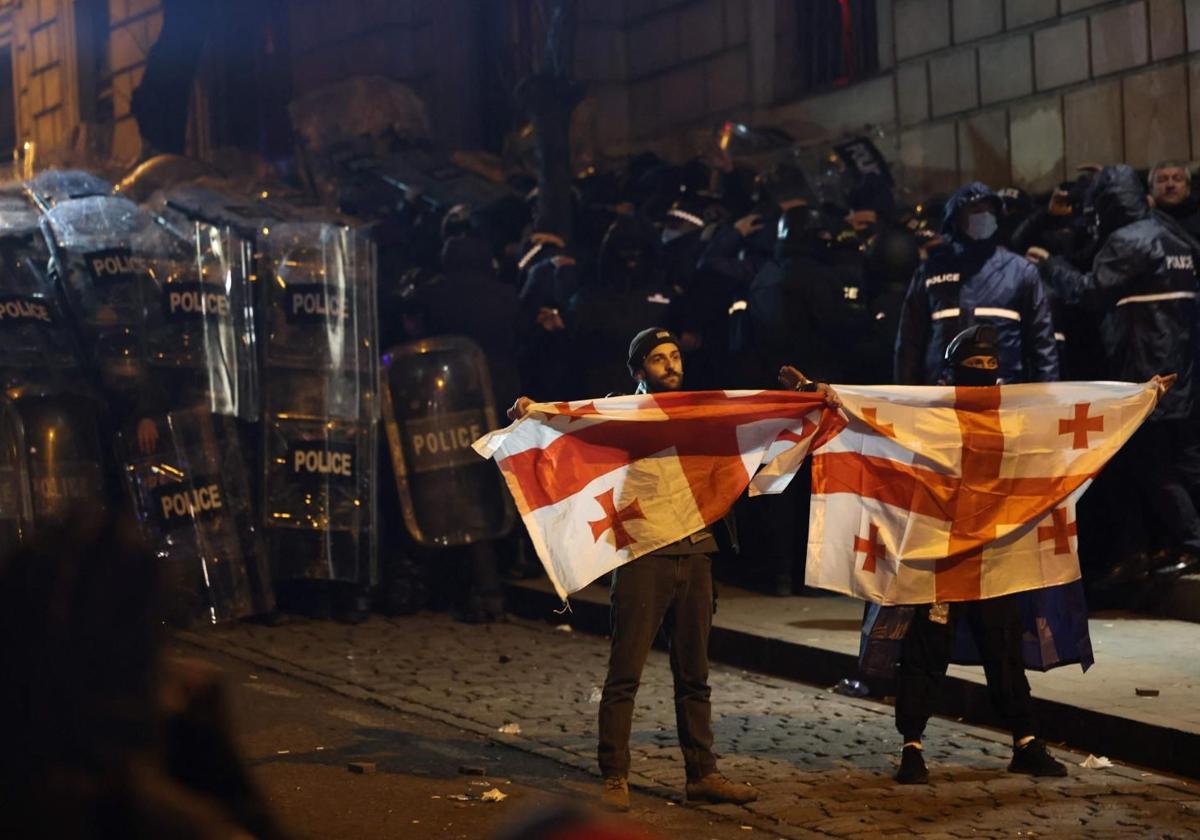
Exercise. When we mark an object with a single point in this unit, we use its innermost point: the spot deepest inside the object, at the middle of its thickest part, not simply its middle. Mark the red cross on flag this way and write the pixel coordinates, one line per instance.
(937, 494)
(601, 482)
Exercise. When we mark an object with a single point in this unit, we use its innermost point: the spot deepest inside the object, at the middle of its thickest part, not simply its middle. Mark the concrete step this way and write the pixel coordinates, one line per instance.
(1180, 600)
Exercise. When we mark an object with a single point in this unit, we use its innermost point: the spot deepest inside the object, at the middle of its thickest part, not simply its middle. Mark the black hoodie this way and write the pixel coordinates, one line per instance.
(1143, 280)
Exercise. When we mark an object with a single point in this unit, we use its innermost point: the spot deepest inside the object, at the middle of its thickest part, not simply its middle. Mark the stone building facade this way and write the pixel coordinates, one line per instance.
(1010, 91)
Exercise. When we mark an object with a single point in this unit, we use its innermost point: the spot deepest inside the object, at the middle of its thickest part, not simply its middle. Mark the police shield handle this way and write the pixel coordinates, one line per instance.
(519, 409)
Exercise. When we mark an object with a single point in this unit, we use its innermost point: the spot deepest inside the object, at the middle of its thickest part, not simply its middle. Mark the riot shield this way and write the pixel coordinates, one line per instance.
(38, 352)
(437, 402)
(320, 387)
(55, 186)
(193, 505)
(200, 338)
(96, 247)
(16, 512)
(64, 456)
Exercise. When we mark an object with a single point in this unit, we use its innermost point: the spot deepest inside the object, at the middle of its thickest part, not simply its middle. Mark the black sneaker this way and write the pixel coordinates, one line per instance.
(912, 767)
(1034, 760)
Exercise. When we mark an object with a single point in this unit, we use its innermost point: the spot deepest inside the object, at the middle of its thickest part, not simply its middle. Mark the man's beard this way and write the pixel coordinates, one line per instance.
(655, 386)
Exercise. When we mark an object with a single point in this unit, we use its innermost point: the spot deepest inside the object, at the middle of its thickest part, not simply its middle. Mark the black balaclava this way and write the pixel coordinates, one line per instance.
(973, 356)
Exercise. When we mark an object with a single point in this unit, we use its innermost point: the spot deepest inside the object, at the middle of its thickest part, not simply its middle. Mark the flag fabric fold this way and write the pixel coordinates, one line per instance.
(938, 494)
(601, 482)
(919, 494)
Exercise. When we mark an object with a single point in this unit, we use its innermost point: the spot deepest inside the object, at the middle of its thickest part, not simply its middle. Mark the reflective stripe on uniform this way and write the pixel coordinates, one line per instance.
(687, 217)
(1157, 297)
(533, 252)
(945, 313)
(996, 312)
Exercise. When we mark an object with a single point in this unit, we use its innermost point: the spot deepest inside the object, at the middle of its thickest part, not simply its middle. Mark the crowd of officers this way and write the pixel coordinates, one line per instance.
(752, 270)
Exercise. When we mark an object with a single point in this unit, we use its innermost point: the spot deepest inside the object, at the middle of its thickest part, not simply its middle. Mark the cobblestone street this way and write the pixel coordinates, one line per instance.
(821, 762)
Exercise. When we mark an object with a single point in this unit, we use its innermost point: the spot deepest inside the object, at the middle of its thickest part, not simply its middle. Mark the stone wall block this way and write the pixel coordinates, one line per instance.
(653, 45)
(701, 29)
(727, 77)
(1035, 132)
(1092, 125)
(920, 26)
(929, 155)
(975, 19)
(1061, 54)
(1005, 69)
(953, 85)
(681, 95)
(1119, 38)
(983, 148)
(1024, 12)
(1156, 115)
(1168, 31)
(912, 92)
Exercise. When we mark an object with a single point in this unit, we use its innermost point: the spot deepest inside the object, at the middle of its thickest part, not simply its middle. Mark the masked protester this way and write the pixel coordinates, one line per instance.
(1143, 283)
(972, 280)
(972, 359)
(670, 588)
(1171, 188)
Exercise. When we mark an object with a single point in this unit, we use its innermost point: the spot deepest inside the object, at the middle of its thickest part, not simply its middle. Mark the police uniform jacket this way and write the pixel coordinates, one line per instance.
(965, 283)
(1143, 280)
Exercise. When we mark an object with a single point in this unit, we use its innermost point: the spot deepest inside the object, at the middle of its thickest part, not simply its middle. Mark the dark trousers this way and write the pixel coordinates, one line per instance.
(925, 652)
(1160, 465)
(673, 592)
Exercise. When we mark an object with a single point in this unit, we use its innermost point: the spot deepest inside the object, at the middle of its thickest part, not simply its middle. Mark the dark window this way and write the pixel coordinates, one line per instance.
(838, 42)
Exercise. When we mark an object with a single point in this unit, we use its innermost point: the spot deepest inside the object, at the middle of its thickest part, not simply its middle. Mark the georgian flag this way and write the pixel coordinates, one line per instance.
(920, 494)
(937, 494)
(601, 482)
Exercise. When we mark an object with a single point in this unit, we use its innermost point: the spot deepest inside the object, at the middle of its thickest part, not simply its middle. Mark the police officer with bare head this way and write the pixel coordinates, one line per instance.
(1143, 283)
(1171, 190)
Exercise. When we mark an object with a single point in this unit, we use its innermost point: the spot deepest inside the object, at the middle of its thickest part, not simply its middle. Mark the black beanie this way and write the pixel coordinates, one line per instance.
(644, 342)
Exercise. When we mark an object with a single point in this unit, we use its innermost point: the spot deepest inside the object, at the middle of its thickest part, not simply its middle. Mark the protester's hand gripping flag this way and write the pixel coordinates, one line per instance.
(956, 494)
(919, 494)
(602, 482)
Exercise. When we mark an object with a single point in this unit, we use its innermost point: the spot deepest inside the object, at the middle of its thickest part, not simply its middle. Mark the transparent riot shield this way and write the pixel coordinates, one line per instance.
(38, 351)
(55, 186)
(16, 511)
(64, 456)
(437, 402)
(97, 246)
(193, 503)
(320, 386)
(200, 337)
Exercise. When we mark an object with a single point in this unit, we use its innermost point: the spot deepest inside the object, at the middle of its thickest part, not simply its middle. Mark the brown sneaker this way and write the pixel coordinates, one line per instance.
(716, 788)
(615, 796)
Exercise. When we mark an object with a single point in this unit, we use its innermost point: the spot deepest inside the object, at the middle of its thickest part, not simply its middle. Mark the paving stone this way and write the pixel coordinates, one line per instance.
(801, 735)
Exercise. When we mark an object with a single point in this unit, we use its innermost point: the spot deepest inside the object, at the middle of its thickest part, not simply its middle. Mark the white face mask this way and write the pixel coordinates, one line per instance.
(981, 226)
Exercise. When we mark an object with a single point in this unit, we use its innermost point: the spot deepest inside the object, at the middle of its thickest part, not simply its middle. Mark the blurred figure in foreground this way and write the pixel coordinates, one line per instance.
(107, 739)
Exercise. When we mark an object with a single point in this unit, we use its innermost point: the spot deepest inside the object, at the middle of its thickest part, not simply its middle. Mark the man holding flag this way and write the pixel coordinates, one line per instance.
(920, 495)
(669, 587)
